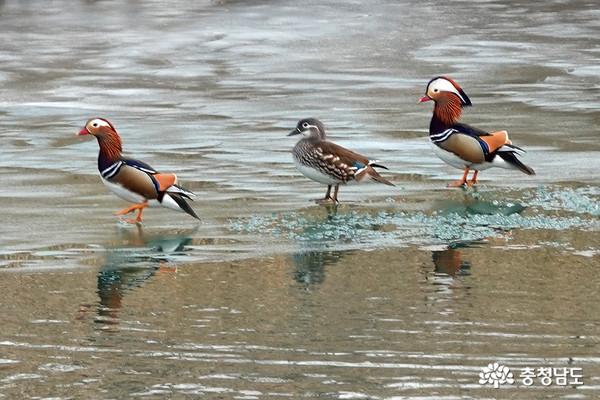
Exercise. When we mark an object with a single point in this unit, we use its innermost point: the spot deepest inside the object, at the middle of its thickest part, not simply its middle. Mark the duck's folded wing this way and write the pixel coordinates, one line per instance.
(338, 160)
(465, 146)
(356, 166)
(473, 144)
(495, 140)
(163, 182)
(136, 180)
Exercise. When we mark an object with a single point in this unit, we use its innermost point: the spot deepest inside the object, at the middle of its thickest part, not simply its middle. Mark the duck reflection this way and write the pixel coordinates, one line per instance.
(136, 259)
(473, 203)
(309, 266)
(310, 263)
(450, 261)
(449, 267)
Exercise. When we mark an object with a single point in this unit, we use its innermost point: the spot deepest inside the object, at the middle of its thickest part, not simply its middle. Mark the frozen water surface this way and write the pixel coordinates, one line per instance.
(397, 293)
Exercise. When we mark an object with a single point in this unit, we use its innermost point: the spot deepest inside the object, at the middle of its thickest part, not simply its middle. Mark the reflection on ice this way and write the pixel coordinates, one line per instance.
(310, 265)
(130, 266)
(450, 262)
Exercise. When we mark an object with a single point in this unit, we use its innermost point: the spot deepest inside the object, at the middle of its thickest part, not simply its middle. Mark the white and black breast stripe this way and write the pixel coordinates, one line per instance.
(442, 136)
(112, 170)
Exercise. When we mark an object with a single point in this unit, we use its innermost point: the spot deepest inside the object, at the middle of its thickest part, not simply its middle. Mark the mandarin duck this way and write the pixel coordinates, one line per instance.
(328, 163)
(133, 180)
(463, 146)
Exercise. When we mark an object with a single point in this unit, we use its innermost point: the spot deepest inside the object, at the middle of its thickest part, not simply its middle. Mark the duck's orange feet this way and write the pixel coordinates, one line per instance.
(327, 200)
(137, 220)
(139, 207)
(128, 209)
(460, 182)
(473, 180)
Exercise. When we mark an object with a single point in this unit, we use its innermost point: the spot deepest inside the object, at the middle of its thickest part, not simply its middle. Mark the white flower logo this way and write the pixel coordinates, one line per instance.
(496, 374)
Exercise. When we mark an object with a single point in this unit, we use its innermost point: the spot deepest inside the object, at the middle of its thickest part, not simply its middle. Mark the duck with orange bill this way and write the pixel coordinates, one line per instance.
(463, 146)
(134, 180)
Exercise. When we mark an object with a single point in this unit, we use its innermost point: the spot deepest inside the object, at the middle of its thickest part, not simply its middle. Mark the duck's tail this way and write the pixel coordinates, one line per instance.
(509, 152)
(370, 173)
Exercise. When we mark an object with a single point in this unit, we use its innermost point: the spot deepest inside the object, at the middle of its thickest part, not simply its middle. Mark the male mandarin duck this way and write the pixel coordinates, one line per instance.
(463, 146)
(133, 180)
(328, 163)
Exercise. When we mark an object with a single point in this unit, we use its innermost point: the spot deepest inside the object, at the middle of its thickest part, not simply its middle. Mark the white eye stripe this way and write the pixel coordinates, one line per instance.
(444, 85)
(99, 122)
(306, 126)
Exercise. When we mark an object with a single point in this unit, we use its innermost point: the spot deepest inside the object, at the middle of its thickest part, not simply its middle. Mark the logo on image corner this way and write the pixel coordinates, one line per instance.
(496, 374)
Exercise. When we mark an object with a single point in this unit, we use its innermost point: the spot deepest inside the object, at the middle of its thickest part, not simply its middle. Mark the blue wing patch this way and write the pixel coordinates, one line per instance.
(484, 146)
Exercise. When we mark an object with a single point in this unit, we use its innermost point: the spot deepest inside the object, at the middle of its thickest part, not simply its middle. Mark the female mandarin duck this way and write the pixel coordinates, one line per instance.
(463, 146)
(328, 163)
(133, 180)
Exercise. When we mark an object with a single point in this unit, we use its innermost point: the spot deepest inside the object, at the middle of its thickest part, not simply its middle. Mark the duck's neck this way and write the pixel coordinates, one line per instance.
(446, 113)
(110, 149)
(316, 137)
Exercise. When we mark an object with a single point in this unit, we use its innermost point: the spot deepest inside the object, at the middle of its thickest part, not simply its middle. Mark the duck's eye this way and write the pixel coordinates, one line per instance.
(95, 124)
(435, 90)
(305, 125)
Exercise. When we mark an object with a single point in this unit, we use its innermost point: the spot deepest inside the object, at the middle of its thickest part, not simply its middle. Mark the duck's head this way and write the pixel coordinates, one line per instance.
(310, 128)
(98, 127)
(108, 138)
(443, 90)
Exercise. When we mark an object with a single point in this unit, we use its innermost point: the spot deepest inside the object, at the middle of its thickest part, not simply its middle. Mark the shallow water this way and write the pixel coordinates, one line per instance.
(401, 292)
